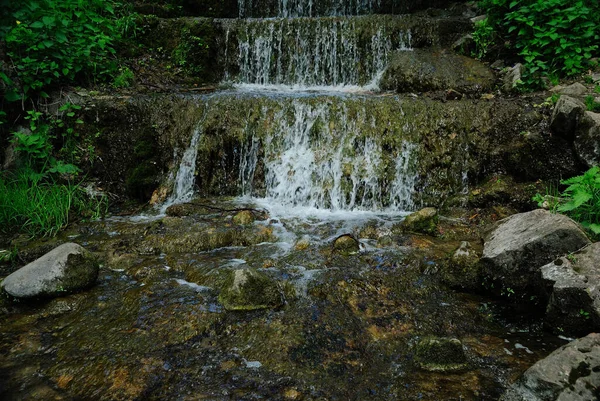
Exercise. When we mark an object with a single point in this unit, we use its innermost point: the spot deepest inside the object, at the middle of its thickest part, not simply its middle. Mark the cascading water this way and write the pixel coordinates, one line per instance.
(310, 8)
(316, 157)
(323, 52)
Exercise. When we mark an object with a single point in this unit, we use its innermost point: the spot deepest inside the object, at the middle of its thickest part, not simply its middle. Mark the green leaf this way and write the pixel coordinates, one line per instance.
(12, 95)
(37, 25)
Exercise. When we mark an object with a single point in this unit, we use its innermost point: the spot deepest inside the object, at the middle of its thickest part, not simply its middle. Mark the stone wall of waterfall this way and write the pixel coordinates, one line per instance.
(310, 8)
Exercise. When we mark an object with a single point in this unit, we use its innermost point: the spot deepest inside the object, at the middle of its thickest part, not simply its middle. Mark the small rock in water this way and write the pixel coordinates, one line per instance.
(180, 210)
(247, 289)
(66, 269)
(346, 245)
(244, 218)
(424, 221)
(440, 354)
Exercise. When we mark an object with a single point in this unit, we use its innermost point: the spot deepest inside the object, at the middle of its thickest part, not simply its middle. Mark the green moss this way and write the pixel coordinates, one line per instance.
(246, 290)
(440, 354)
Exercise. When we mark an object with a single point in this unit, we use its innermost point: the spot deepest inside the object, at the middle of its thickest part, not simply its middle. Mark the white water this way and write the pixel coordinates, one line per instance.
(183, 188)
(324, 54)
(316, 159)
(308, 8)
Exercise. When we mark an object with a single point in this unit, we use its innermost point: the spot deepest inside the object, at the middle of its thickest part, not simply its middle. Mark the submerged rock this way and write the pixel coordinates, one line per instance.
(569, 373)
(566, 115)
(430, 70)
(346, 244)
(587, 139)
(424, 221)
(574, 297)
(521, 244)
(247, 289)
(66, 269)
(439, 354)
(244, 218)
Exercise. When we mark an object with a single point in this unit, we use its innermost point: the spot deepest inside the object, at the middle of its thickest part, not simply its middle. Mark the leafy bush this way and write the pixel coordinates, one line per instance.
(483, 37)
(62, 41)
(581, 199)
(553, 37)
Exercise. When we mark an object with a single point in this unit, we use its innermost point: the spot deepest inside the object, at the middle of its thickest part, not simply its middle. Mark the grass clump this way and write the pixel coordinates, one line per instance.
(43, 208)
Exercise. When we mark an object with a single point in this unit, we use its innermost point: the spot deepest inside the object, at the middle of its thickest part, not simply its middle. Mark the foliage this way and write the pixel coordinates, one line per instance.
(125, 78)
(582, 199)
(483, 37)
(591, 104)
(53, 42)
(553, 37)
(42, 208)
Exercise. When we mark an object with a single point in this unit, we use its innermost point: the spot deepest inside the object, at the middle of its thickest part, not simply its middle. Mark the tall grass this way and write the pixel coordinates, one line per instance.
(42, 208)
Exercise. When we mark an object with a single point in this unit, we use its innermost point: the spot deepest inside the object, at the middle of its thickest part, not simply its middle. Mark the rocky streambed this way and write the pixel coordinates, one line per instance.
(222, 299)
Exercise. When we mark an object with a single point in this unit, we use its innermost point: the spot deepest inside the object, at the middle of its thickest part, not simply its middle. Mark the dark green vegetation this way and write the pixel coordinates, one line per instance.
(582, 199)
(554, 38)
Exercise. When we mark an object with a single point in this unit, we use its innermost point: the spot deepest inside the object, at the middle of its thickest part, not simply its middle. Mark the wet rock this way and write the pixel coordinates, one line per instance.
(461, 270)
(427, 70)
(574, 297)
(66, 269)
(244, 218)
(247, 289)
(183, 210)
(521, 244)
(569, 373)
(512, 77)
(566, 115)
(346, 244)
(424, 221)
(440, 354)
(464, 45)
(576, 89)
(587, 139)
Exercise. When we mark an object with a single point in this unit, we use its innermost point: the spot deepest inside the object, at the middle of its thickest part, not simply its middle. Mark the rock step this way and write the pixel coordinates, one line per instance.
(307, 51)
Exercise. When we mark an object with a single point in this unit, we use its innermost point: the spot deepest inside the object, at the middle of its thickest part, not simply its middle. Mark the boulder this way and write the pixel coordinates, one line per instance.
(346, 244)
(576, 89)
(566, 115)
(512, 77)
(573, 287)
(569, 373)
(247, 289)
(426, 70)
(440, 354)
(66, 269)
(587, 139)
(424, 221)
(521, 244)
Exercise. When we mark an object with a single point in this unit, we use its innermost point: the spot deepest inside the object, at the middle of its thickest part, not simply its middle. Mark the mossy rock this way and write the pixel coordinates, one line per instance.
(440, 354)
(462, 269)
(424, 222)
(346, 245)
(247, 289)
(244, 218)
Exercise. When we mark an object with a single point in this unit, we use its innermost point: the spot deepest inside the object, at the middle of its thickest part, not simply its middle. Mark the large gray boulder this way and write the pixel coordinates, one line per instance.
(587, 139)
(566, 115)
(424, 70)
(66, 269)
(568, 374)
(573, 285)
(521, 244)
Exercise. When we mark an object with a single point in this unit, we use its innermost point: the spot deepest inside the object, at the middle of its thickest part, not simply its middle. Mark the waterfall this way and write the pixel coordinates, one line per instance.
(316, 157)
(324, 52)
(311, 8)
(183, 188)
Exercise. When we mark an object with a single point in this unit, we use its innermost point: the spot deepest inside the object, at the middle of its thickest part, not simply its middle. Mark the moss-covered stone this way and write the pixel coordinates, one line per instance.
(346, 245)
(244, 218)
(439, 354)
(247, 289)
(424, 221)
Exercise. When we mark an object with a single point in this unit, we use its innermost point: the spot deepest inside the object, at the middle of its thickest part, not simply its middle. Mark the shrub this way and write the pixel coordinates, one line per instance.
(553, 37)
(582, 199)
